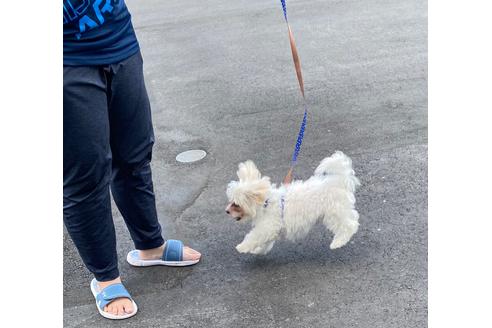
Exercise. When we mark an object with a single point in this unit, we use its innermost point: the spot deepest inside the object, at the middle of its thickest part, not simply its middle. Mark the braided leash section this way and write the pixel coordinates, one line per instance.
(284, 8)
(300, 136)
(297, 65)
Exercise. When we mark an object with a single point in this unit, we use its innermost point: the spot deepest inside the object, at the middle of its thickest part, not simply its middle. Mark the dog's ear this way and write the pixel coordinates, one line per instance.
(250, 194)
(257, 193)
(248, 172)
(259, 190)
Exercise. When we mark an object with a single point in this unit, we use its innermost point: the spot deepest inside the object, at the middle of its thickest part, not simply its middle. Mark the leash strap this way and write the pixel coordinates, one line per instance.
(297, 65)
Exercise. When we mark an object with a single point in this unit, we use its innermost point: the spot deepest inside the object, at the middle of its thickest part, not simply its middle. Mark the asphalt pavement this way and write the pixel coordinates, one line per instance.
(220, 78)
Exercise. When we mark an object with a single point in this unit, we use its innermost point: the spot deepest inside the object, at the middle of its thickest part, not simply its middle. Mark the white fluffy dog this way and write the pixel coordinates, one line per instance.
(294, 208)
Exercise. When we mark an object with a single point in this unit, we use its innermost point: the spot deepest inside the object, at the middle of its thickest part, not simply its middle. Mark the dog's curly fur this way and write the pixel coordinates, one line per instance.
(327, 196)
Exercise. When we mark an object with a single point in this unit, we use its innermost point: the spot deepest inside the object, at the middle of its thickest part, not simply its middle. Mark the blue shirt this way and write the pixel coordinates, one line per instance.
(97, 32)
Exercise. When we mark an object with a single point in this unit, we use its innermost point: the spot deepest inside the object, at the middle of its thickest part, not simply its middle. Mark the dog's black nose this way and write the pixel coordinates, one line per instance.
(227, 211)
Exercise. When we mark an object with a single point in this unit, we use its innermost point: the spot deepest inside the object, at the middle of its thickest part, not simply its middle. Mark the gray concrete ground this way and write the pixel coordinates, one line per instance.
(220, 77)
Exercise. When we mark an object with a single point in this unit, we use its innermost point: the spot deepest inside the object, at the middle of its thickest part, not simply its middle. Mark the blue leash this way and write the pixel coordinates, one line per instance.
(300, 137)
(302, 129)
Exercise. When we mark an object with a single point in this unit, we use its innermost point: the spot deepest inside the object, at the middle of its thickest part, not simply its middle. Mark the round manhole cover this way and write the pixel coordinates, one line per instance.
(190, 156)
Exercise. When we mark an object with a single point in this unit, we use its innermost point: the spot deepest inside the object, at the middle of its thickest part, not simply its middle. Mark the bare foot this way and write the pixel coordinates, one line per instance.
(189, 254)
(118, 306)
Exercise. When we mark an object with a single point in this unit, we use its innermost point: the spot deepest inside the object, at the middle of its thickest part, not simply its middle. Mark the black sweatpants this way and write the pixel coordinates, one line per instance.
(107, 143)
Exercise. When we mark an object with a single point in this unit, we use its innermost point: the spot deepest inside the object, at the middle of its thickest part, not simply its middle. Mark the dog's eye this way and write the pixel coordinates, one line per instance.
(234, 205)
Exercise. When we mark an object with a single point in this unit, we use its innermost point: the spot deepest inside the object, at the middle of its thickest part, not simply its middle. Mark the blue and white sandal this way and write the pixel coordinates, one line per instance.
(172, 256)
(107, 295)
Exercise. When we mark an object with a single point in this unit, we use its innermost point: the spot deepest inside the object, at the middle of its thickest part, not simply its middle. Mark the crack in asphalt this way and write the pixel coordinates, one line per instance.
(192, 201)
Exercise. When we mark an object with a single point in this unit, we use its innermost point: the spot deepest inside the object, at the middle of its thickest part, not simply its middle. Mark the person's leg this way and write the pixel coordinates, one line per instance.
(87, 170)
(131, 140)
(87, 174)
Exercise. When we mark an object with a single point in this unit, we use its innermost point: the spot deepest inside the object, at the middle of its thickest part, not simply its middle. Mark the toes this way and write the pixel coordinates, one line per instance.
(189, 254)
(128, 308)
(121, 309)
(110, 308)
(118, 307)
(114, 309)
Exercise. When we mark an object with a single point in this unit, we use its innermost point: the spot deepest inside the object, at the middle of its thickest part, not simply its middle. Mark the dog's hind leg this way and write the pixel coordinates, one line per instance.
(343, 225)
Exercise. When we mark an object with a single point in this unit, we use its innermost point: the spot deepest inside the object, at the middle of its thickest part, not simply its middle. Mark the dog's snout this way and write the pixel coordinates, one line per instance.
(228, 212)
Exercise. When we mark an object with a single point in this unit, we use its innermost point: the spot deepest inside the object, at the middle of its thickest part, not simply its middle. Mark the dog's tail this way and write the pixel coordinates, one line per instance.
(341, 165)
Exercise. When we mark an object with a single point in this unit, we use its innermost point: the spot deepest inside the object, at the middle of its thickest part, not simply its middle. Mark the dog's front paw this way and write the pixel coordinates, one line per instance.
(241, 248)
(259, 251)
(339, 241)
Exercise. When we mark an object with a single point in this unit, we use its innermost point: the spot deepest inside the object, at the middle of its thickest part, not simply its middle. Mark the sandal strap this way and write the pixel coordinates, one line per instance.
(110, 293)
(173, 250)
